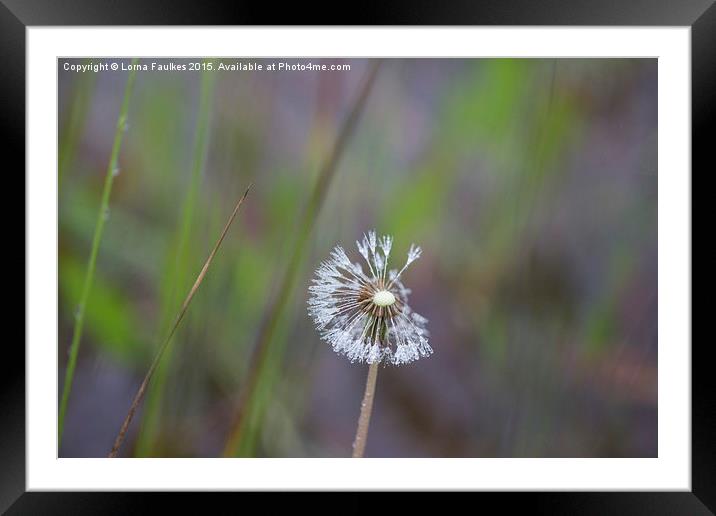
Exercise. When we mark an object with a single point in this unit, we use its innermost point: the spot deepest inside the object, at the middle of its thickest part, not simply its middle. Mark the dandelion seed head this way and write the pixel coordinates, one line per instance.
(365, 315)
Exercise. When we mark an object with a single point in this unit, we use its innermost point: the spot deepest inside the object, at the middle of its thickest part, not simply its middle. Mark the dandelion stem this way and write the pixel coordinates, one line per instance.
(92, 263)
(365, 410)
(142, 388)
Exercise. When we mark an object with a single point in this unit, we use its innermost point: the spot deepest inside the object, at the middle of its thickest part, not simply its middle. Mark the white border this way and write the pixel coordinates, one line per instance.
(671, 470)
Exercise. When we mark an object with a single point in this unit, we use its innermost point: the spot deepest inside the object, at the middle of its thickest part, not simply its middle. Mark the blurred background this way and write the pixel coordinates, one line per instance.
(531, 185)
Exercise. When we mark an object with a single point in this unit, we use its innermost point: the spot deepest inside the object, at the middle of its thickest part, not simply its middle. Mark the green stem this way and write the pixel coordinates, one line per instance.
(180, 269)
(97, 237)
(248, 407)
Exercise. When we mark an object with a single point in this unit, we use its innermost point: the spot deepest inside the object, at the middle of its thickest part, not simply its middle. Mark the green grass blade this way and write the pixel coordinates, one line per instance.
(92, 263)
(249, 407)
(179, 267)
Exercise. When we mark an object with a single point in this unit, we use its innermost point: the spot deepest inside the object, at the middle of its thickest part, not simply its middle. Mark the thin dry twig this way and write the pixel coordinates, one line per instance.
(142, 388)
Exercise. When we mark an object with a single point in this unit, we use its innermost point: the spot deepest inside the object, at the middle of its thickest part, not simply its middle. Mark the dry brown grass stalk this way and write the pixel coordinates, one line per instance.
(143, 387)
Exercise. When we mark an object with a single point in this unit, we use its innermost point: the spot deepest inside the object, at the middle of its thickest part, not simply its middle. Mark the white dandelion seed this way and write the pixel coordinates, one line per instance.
(366, 316)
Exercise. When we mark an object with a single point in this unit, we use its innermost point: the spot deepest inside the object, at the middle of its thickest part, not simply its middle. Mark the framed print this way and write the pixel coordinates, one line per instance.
(257, 254)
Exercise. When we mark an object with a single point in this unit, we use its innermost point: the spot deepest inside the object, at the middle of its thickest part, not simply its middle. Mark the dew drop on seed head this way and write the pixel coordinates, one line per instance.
(115, 171)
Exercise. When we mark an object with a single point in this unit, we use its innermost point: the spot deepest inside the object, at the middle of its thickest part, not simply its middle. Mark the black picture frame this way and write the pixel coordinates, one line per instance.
(17, 15)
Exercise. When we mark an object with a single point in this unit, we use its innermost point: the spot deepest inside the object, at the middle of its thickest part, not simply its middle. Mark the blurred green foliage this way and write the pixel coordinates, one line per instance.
(530, 185)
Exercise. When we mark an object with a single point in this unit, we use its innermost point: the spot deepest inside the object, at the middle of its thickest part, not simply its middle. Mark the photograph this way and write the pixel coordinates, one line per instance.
(357, 257)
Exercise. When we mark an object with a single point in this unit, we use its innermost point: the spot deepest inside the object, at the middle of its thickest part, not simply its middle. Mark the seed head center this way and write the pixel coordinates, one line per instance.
(383, 298)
